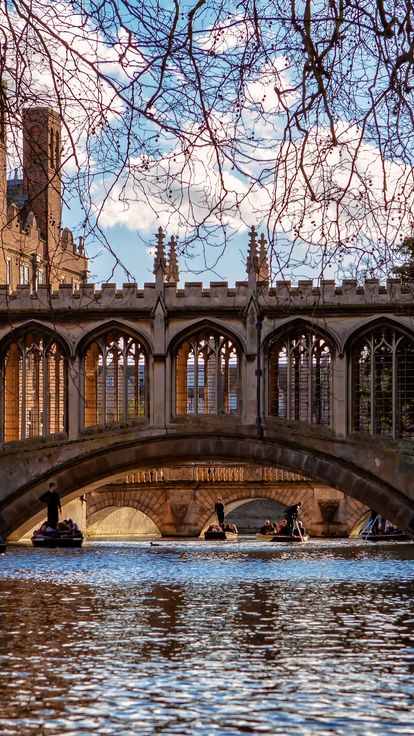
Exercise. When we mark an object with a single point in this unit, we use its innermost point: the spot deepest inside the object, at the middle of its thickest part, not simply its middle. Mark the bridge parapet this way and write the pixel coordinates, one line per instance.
(295, 296)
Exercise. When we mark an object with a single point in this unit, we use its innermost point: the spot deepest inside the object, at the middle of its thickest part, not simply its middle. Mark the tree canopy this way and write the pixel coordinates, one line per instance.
(208, 116)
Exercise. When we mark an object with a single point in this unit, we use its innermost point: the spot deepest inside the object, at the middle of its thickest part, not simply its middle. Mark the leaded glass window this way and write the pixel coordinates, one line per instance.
(382, 364)
(115, 370)
(34, 387)
(207, 375)
(300, 378)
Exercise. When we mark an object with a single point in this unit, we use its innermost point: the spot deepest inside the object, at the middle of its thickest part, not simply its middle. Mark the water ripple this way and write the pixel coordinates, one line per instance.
(204, 639)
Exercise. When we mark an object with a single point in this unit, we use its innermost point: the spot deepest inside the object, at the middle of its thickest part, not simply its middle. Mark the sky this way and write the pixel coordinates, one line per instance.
(133, 166)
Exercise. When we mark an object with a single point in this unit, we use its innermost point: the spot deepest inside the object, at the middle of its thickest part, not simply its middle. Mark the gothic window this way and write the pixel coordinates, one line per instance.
(115, 371)
(34, 387)
(300, 377)
(383, 384)
(207, 375)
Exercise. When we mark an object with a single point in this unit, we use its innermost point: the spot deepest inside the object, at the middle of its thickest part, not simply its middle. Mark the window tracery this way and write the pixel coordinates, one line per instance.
(207, 375)
(382, 384)
(34, 387)
(115, 369)
(300, 377)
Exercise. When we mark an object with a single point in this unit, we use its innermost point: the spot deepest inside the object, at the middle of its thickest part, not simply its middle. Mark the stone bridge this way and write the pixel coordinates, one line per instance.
(373, 475)
(316, 380)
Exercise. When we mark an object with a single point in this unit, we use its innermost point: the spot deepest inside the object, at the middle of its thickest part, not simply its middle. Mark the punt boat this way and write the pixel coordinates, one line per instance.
(220, 535)
(282, 537)
(397, 536)
(65, 539)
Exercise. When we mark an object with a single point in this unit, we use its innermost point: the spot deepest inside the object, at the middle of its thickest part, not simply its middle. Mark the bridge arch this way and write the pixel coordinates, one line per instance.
(34, 326)
(105, 502)
(358, 471)
(113, 326)
(216, 325)
(297, 324)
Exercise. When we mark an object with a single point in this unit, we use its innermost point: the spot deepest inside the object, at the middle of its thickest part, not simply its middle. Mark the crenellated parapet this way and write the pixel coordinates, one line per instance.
(217, 296)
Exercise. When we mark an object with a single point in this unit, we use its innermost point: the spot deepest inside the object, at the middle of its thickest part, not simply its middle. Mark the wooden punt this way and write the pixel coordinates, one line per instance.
(220, 536)
(391, 537)
(64, 540)
(282, 537)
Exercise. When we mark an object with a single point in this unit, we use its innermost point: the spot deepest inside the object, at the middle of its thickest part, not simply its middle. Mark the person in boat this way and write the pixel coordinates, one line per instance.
(267, 528)
(291, 516)
(299, 528)
(51, 497)
(231, 528)
(283, 528)
(215, 528)
(219, 510)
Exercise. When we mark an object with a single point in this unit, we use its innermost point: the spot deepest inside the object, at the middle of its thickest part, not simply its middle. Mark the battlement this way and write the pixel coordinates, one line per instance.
(218, 296)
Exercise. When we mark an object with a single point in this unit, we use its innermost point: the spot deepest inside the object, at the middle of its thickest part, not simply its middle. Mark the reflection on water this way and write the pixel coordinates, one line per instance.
(208, 638)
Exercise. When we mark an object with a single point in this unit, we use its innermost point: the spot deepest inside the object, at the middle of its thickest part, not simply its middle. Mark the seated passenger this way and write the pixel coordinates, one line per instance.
(283, 527)
(267, 528)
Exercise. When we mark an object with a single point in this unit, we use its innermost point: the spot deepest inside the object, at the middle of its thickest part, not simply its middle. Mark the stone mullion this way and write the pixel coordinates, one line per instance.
(394, 407)
(103, 383)
(44, 359)
(373, 386)
(309, 368)
(288, 380)
(23, 427)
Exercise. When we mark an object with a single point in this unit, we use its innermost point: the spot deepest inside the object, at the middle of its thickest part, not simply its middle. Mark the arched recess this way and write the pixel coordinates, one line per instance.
(281, 500)
(114, 375)
(299, 361)
(121, 521)
(381, 380)
(206, 360)
(104, 502)
(34, 365)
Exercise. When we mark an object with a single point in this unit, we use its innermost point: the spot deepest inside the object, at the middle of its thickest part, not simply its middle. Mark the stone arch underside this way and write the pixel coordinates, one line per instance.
(150, 504)
(333, 466)
(283, 494)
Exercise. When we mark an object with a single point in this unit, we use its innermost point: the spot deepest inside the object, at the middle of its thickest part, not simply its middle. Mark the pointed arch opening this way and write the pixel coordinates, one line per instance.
(115, 379)
(300, 376)
(382, 383)
(34, 387)
(207, 377)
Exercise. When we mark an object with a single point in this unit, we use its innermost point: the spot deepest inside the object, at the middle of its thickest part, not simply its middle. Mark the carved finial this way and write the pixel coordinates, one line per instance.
(172, 273)
(252, 260)
(159, 260)
(263, 266)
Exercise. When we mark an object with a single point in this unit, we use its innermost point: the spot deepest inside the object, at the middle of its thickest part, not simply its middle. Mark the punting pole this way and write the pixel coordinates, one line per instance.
(366, 530)
(299, 531)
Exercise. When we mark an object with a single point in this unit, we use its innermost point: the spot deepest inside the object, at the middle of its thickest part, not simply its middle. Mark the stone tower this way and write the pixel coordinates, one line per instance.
(3, 175)
(42, 172)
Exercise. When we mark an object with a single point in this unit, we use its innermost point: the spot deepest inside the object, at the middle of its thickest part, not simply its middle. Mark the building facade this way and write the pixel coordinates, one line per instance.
(35, 249)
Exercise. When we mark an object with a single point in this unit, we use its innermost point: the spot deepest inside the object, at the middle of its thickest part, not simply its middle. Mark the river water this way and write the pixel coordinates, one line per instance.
(205, 638)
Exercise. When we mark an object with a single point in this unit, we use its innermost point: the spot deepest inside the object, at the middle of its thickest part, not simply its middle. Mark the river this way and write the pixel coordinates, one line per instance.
(206, 638)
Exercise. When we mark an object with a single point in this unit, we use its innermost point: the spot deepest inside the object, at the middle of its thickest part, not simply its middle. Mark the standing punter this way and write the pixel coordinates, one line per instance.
(51, 497)
(291, 516)
(219, 509)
